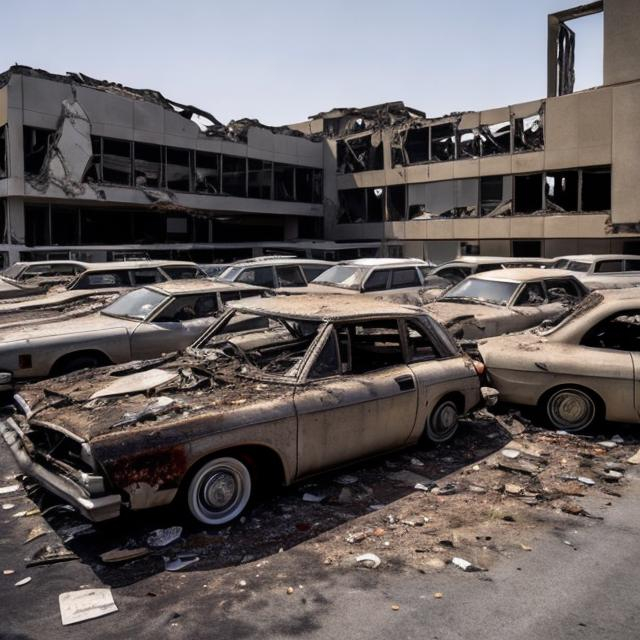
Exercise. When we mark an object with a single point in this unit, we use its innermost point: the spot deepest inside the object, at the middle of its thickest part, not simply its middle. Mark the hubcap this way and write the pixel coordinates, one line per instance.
(219, 490)
(444, 422)
(571, 409)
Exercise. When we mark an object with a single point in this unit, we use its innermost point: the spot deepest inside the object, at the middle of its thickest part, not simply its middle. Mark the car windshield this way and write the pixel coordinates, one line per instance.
(229, 274)
(213, 270)
(571, 265)
(480, 290)
(274, 345)
(342, 275)
(136, 305)
(13, 271)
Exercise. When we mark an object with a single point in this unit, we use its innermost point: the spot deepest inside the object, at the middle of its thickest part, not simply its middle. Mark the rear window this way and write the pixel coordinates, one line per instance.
(261, 276)
(609, 266)
(182, 273)
(103, 279)
(404, 278)
(290, 276)
(146, 276)
(311, 272)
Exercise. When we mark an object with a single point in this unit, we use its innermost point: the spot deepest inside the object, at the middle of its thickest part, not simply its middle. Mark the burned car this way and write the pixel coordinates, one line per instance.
(325, 380)
(507, 300)
(585, 369)
(142, 323)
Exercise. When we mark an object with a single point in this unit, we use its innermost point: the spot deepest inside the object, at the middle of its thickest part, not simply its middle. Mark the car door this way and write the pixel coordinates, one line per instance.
(175, 326)
(360, 397)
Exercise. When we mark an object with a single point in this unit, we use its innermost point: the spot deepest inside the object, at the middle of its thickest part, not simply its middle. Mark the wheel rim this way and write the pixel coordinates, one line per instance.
(219, 491)
(444, 422)
(571, 409)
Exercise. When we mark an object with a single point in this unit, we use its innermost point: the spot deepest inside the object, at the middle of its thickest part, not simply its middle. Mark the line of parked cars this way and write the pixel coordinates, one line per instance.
(175, 386)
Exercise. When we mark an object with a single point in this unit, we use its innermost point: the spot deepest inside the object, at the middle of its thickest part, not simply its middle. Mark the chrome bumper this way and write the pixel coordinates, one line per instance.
(93, 508)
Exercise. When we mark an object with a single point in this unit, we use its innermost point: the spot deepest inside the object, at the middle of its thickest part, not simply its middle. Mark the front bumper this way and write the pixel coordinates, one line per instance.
(95, 508)
(6, 381)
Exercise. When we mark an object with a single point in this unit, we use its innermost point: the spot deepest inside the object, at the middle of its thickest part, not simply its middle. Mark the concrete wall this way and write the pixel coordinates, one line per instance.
(621, 41)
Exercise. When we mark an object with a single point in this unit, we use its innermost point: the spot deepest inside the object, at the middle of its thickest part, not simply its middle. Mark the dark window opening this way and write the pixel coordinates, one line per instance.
(416, 145)
(310, 227)
(260, 176)
(528, 193)
(401, 278)
(116, 161)
(36, 225)
(304, 184)
(147, 164)
(596, 189)
(490, 193)
(358, 154)
(370, 346)
(609, 266)
(94, 171)
(3, 152)
(527, 248)
(283, 182)
(375, 204)
(326, 363)
(496, 138)
(469, 143)
(290, 276)
(528, 133)
(200, 229)
(36, 145)
(260, 276)
(396, 202)
(561, 191)
(420, 346)
(207, 172)
(377, 280)
(234, 176)
(65, 225)
(4, 232)
(620, 332)
(178, 228)
(178, 169)
(443, 145)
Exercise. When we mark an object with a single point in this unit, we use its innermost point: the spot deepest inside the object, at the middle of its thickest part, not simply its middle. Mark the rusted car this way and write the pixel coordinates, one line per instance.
(324, 381)
(506, 300)
(585, 369)
(142, 323)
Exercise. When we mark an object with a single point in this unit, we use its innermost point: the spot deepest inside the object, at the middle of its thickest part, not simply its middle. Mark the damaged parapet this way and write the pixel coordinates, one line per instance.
(236, 130)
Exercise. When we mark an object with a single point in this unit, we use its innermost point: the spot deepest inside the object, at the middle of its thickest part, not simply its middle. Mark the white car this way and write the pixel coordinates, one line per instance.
(603, 271)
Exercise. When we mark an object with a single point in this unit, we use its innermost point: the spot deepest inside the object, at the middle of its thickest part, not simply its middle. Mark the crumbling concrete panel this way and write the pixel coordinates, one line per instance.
(626, 159)
(105, 108)
(495, 116)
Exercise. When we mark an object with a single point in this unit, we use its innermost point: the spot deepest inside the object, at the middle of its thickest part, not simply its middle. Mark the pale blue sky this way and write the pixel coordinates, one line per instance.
(281, 61)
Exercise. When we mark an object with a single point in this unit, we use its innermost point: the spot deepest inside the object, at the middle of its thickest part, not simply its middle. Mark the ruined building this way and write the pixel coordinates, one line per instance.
(95, 170)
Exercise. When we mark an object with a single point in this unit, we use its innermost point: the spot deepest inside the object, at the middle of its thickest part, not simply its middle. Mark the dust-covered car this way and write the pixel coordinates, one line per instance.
(405, 280)
(506, 300)
(457, 270)
(603, 271)
(585, 369)
(324, 381)
(142, 323)
(25, 279)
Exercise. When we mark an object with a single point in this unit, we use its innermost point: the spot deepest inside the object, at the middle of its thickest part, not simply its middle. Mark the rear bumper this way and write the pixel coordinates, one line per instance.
(95, 508)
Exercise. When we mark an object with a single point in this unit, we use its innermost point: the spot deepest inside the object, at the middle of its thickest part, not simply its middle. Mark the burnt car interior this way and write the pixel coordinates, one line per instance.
(620, 331)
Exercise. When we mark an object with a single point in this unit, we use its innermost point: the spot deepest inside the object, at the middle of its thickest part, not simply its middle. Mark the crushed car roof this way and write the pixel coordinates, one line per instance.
(523, 274)
(324, 307)
(201, 285)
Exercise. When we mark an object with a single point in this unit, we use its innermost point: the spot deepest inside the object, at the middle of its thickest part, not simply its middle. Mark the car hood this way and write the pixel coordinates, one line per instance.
(498, 348)
(323, 288)
(448, 313)
(50, 329)
(150, 395)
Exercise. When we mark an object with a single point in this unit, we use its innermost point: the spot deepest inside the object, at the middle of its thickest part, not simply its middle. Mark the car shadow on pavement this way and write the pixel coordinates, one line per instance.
(275, 522)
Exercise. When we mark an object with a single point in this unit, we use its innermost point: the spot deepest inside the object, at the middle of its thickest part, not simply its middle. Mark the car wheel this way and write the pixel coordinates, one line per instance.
(442, 424)
(570, 409)
(219, 491)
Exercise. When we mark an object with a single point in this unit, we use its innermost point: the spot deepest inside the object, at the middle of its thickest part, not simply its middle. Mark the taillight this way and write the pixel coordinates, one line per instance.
(479, 367)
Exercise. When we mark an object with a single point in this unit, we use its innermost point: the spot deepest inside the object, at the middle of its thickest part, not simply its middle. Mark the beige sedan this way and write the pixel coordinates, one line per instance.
(324, 381)
(585, 369)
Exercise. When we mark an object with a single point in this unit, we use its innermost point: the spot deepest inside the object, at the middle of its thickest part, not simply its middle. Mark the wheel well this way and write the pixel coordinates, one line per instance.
(101, 358)
(256, 457)
(457, 397)
(600, 405)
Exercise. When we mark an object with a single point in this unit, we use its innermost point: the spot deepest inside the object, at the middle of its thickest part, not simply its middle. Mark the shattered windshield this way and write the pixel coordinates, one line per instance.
(341, 275)
(475, 289)
(12, 272)
(274, 345)
(571, 265)
(229, 274)
(136, 305)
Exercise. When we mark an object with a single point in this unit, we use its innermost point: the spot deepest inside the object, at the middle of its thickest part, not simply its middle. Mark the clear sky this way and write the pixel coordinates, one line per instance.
(281, 61)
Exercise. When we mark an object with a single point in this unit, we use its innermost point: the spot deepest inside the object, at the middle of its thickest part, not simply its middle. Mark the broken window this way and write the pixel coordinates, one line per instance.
(234, 176)
(496, 138)
(396, 202)
(147, 164)
(36, 145)
(3, 152)
(260, 177)
(116, 161)
(528, 133)
(528, 193)
(620, 331)
(443, 142)
(326, 363)
(469, 143)
(377, 280)
(359, 154)
(596, 189)
(368, 346)
(490, 193)
(207, 172)
(65, 225)
(375, 204)
(566, 59)
(283, 181)
(94, 171)
(290, 276)
(561, 191)
(317, 186)
(304, 184)
(36, 225)
(352, 206)
(178, 169)
(416, 145)
(419, 343)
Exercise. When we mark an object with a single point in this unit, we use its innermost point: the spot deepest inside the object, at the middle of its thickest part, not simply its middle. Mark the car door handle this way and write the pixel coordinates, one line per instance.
(405, 383)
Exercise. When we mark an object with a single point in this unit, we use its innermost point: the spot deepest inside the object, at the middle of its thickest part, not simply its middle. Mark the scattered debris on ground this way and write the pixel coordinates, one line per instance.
(86, 604)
